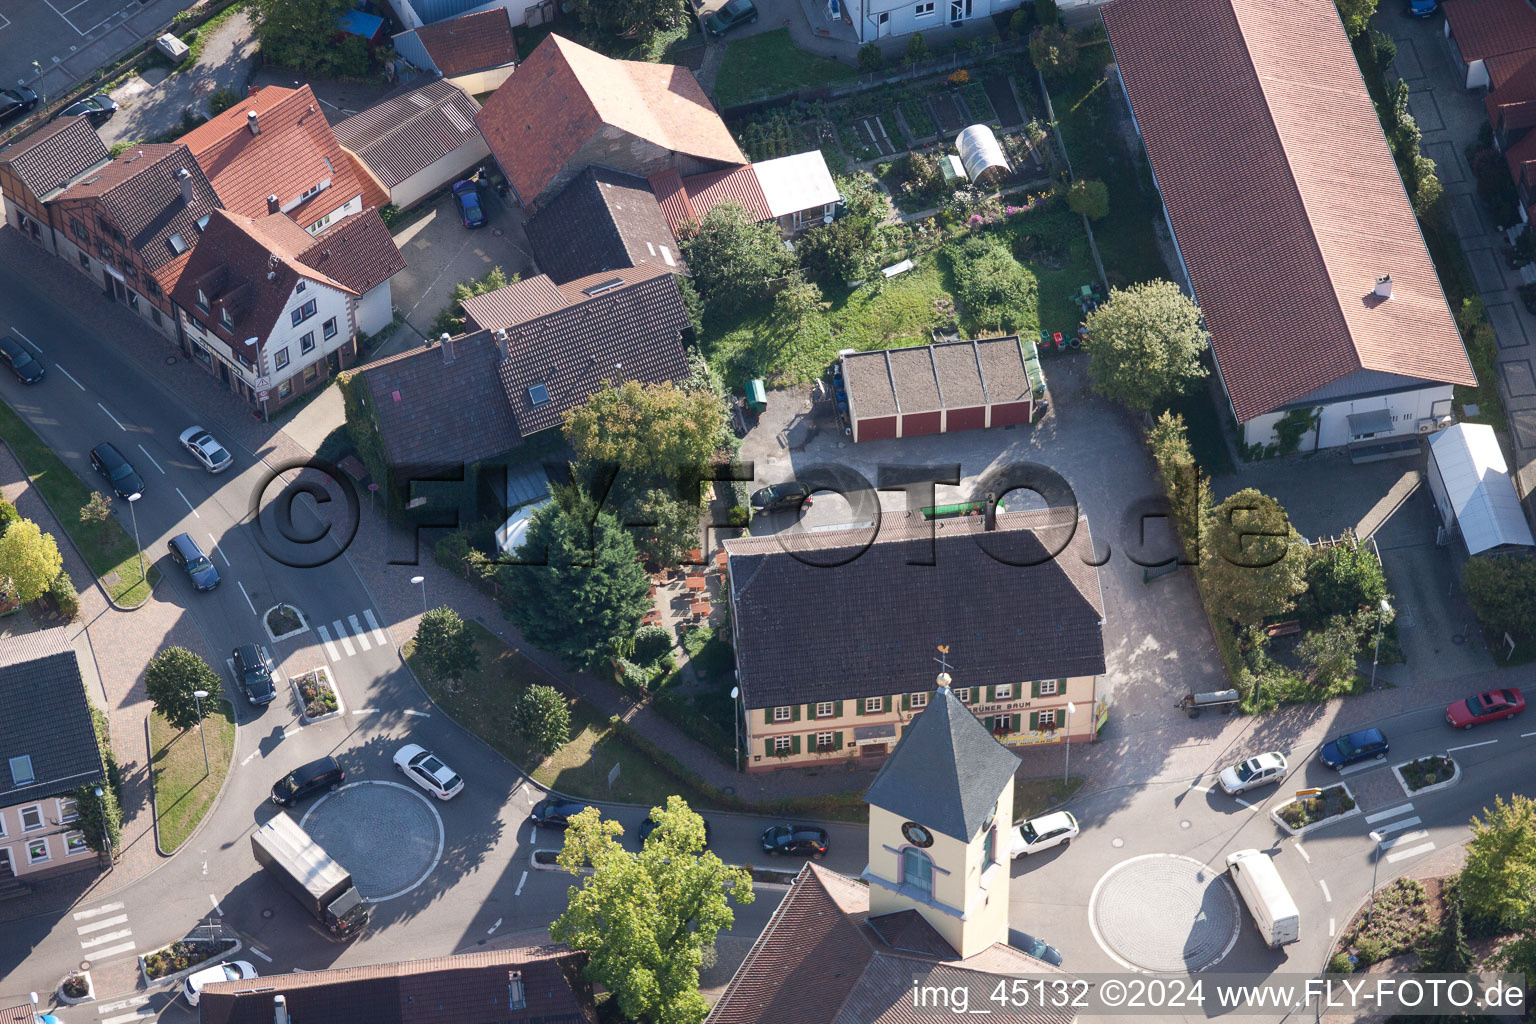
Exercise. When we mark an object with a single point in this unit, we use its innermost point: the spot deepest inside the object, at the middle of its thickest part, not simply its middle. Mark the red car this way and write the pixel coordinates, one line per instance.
(1485, 707)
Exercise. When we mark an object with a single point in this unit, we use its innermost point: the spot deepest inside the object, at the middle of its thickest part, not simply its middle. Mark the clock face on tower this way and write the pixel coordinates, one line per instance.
(916, 834)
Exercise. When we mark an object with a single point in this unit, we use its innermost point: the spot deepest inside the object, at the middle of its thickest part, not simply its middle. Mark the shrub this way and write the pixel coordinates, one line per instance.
(917, 48)
(652, 643)
(959, 76)
(739, 516)
(65, 596)
(1046, 12)
(1502, 592)
(8, 515)
(995, 289)
(1339, 963)
(869, 58)
(221, 100)
(1089, 198)
(1053, 52)
(1020, 22)
(74, 986)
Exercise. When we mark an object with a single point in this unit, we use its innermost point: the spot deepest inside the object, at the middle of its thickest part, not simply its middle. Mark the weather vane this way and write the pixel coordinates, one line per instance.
(943, 658)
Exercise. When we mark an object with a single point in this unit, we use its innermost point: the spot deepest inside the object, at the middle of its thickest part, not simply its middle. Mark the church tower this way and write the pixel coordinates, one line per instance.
(940, 814)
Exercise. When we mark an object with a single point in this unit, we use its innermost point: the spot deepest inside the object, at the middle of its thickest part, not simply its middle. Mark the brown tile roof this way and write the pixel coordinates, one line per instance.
(433, 413)
(907, 931)
(356, 252)
(539, 118)
(56, 154)
(1283, 196)
(446, 990)
(294, 152)
(517, 303)
(141, 192)
(471, 42)
(602, 220)
(401, 136)
(17, 1014)
(876, 614)
(944, 375)
(1489, 28)
(1521, 158)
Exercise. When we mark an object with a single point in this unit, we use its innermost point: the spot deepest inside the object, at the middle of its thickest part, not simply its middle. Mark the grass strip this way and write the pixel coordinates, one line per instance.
(185, 788)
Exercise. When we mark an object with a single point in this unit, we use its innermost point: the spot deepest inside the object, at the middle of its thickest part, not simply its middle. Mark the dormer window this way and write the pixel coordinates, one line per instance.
(202, 222)
(202, 300)
(226, 320)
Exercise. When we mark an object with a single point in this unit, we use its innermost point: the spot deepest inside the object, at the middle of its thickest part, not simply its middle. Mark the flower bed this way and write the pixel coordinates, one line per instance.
(1430, 772)
(1302, 814)
(284, 620)
(77, 988)
(317, 694)
(182, 956)
(1399, 922)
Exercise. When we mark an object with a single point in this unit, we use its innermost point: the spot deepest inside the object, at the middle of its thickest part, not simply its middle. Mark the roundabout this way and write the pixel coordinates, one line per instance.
(388, 835)
(1165, 913)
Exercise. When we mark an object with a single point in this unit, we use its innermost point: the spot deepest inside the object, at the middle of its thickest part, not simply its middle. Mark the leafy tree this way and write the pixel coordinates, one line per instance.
(995, 289)
(1088, 197)
(1189, 493)
(97, 513)
(733, 258)
(692, 303)
(300, 34)
(1053, 51)
(917, 49)
(29, 561)
(588, 591)
(1448, 953)
(648, 920)
(1020, 22)
(1498, 879)
(652, 643)
(1426, 186)
(1251, 559)
(445, 647)
(1356, 15)
(652, 430)
(1345, 578)
(1146, 344)
(453, 320)
(869, 58)
(798, 301)
(627, 19)
(542, 716)
(1519, 955)
(1330, 651)
(1502, 592)
(171, 680)
(1046, 12)
(8, 515)
(834, 254)
(99, 816)
(64, 594)
(665, 527)
(1384, 49)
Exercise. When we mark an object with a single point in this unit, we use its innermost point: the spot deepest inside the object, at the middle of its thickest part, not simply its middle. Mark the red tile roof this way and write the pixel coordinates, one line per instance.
(541, 117)
(357, 252)
(687, 201)
(1488, 28)
(54, 155)
(1283, 197)
(294, 152)
(471, 42)
(1511, 105)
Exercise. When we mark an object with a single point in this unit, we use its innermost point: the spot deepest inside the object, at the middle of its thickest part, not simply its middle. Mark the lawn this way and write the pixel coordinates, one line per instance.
(1051, 242)
(770, 65)
(184, 788)
(1031, 796)
(109, 551)
(1202, 422)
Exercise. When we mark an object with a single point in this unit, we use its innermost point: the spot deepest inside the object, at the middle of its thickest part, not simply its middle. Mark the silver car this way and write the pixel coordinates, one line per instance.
(1254, 772)
(206, 450)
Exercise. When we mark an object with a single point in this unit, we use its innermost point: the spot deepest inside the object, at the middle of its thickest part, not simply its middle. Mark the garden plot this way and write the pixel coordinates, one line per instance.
(974, 98)
(874, 137)
(1000, 93)
(948, 112)
(918, 121)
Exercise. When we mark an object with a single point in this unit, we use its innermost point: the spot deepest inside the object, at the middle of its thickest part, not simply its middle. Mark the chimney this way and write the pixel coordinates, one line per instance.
(251, 90)
(184, 177)
(501, 345)
(272, 204)
(280, 1010)
(251, 123)
(447, 346)
(1384, 286)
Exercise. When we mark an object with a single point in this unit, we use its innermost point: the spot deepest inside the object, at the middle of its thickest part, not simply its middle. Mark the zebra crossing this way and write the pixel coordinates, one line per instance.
(1406, 840)
(338, 638)
(103, 931)
(137, 1007)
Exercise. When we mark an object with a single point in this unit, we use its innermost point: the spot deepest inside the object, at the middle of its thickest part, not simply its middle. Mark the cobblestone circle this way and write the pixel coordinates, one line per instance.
(388, 836)
(1166, 913)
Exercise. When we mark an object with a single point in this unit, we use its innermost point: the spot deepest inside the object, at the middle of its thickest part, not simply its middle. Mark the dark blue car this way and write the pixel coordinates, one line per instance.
(1423, 8)
(467, 195)
(1352, 747)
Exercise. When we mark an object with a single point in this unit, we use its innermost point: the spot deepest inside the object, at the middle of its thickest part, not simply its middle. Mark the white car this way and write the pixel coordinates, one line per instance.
(238, 970)
(205, 449)
(1055, 829)
(425, 769)
(1254, 772)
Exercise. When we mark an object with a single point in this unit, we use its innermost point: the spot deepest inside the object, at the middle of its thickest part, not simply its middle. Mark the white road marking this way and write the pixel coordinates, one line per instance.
(419, 714)
(249, 757)
(147, 1013)
(1360, 767)
(1525, 735)
(364, 711)
(535, 837)
(373, 624)
(123, 1004)
(70, 376)
(362, 635)
(1469, 746)
(493, 927)
(259, 953)
(1199, 789)
(341, 637)
(111, 417)
(102, 954)
(105, 908)
(28, 340)
(102, 940)
(219, 550)
(1304, 854)
(1413, 851)
(1245, 803)
(1327, 896)
(330, 648)
(1406, 837)
(194, 511)
(106, 922)
(215, 901)
(520, 882)
(1391, 812)
(1330, 927)
(151, 459)
(1397, 826)
(248, 603)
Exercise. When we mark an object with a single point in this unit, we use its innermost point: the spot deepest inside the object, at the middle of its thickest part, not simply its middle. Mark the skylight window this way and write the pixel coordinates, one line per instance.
(606, 286)
(21, 771)
(538, 395)
(666, 254)
(177, 243)
(202, 222)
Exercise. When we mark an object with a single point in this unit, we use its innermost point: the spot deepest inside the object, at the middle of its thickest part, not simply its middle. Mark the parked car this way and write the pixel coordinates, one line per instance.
(98, 108)
(1353, 747)
(306, 779)
(804, 840)
(427, 770)
(109, 462)
(1037, 948)
(236, 970)
(790, 495)
(1254, 772)
(206, 450)
(253, 671)
(198, 566)
(26, 369)
(1485, 707)
(16, 102)
(1423, 8)
(467, 195)
(735, 12)
(555, 812)
(649, 825)
(1056, 829)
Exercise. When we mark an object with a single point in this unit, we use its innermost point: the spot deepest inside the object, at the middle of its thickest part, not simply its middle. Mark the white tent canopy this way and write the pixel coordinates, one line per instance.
(1475, 480)
(980, 151)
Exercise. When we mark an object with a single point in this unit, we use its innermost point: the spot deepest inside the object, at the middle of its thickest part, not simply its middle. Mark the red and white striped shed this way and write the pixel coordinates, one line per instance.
(941, 388)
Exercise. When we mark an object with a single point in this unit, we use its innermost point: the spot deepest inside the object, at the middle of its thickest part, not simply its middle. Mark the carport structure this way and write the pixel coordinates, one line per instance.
(1473, 491)
(943, 387)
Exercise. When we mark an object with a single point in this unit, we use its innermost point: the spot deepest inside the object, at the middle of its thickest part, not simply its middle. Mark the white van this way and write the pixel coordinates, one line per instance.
(1268, 900)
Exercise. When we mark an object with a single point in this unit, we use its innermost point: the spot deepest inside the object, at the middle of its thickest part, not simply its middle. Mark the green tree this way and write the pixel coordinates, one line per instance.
(97, 513)
(542, 716)
(1448, 952)
(1519, 955)
(1189, 493)
(298, 33)
(101, 819)
(1502, 593)
(171, 681)
(1088, 197)
(638, 20)
(652, 643)
(1146, 344)
(1426, 186)
(1356, 15)
(651, 430)
(1251, 559)
(995, 289)
(797, 302)
(589, 589)
(648, 920)
(8, 515)
(1046, 12)
(445, 648)
(863, 202)
(452, 320)
(665, 527)
(834, 254)
(917, 49)
(1498, 879)
(1346, 577)
(29, 561)
(1053, 51)
(732, 258)
(1330, 651)
(869, 58)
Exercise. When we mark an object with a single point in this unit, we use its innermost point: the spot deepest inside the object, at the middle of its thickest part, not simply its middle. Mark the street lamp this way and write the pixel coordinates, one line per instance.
(1067, 770)
(1381, 619)
(41, 88)
(106, 837)
(198, 696)
(736, 692)
(1377, 838)
(134, 514)
(421, 581)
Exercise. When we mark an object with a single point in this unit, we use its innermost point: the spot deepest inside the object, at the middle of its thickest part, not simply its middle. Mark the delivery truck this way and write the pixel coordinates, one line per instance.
(1268, 900)
(310, 875)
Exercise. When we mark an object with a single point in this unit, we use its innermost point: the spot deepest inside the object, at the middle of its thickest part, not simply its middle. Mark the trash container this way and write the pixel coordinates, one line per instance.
(757, 395)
